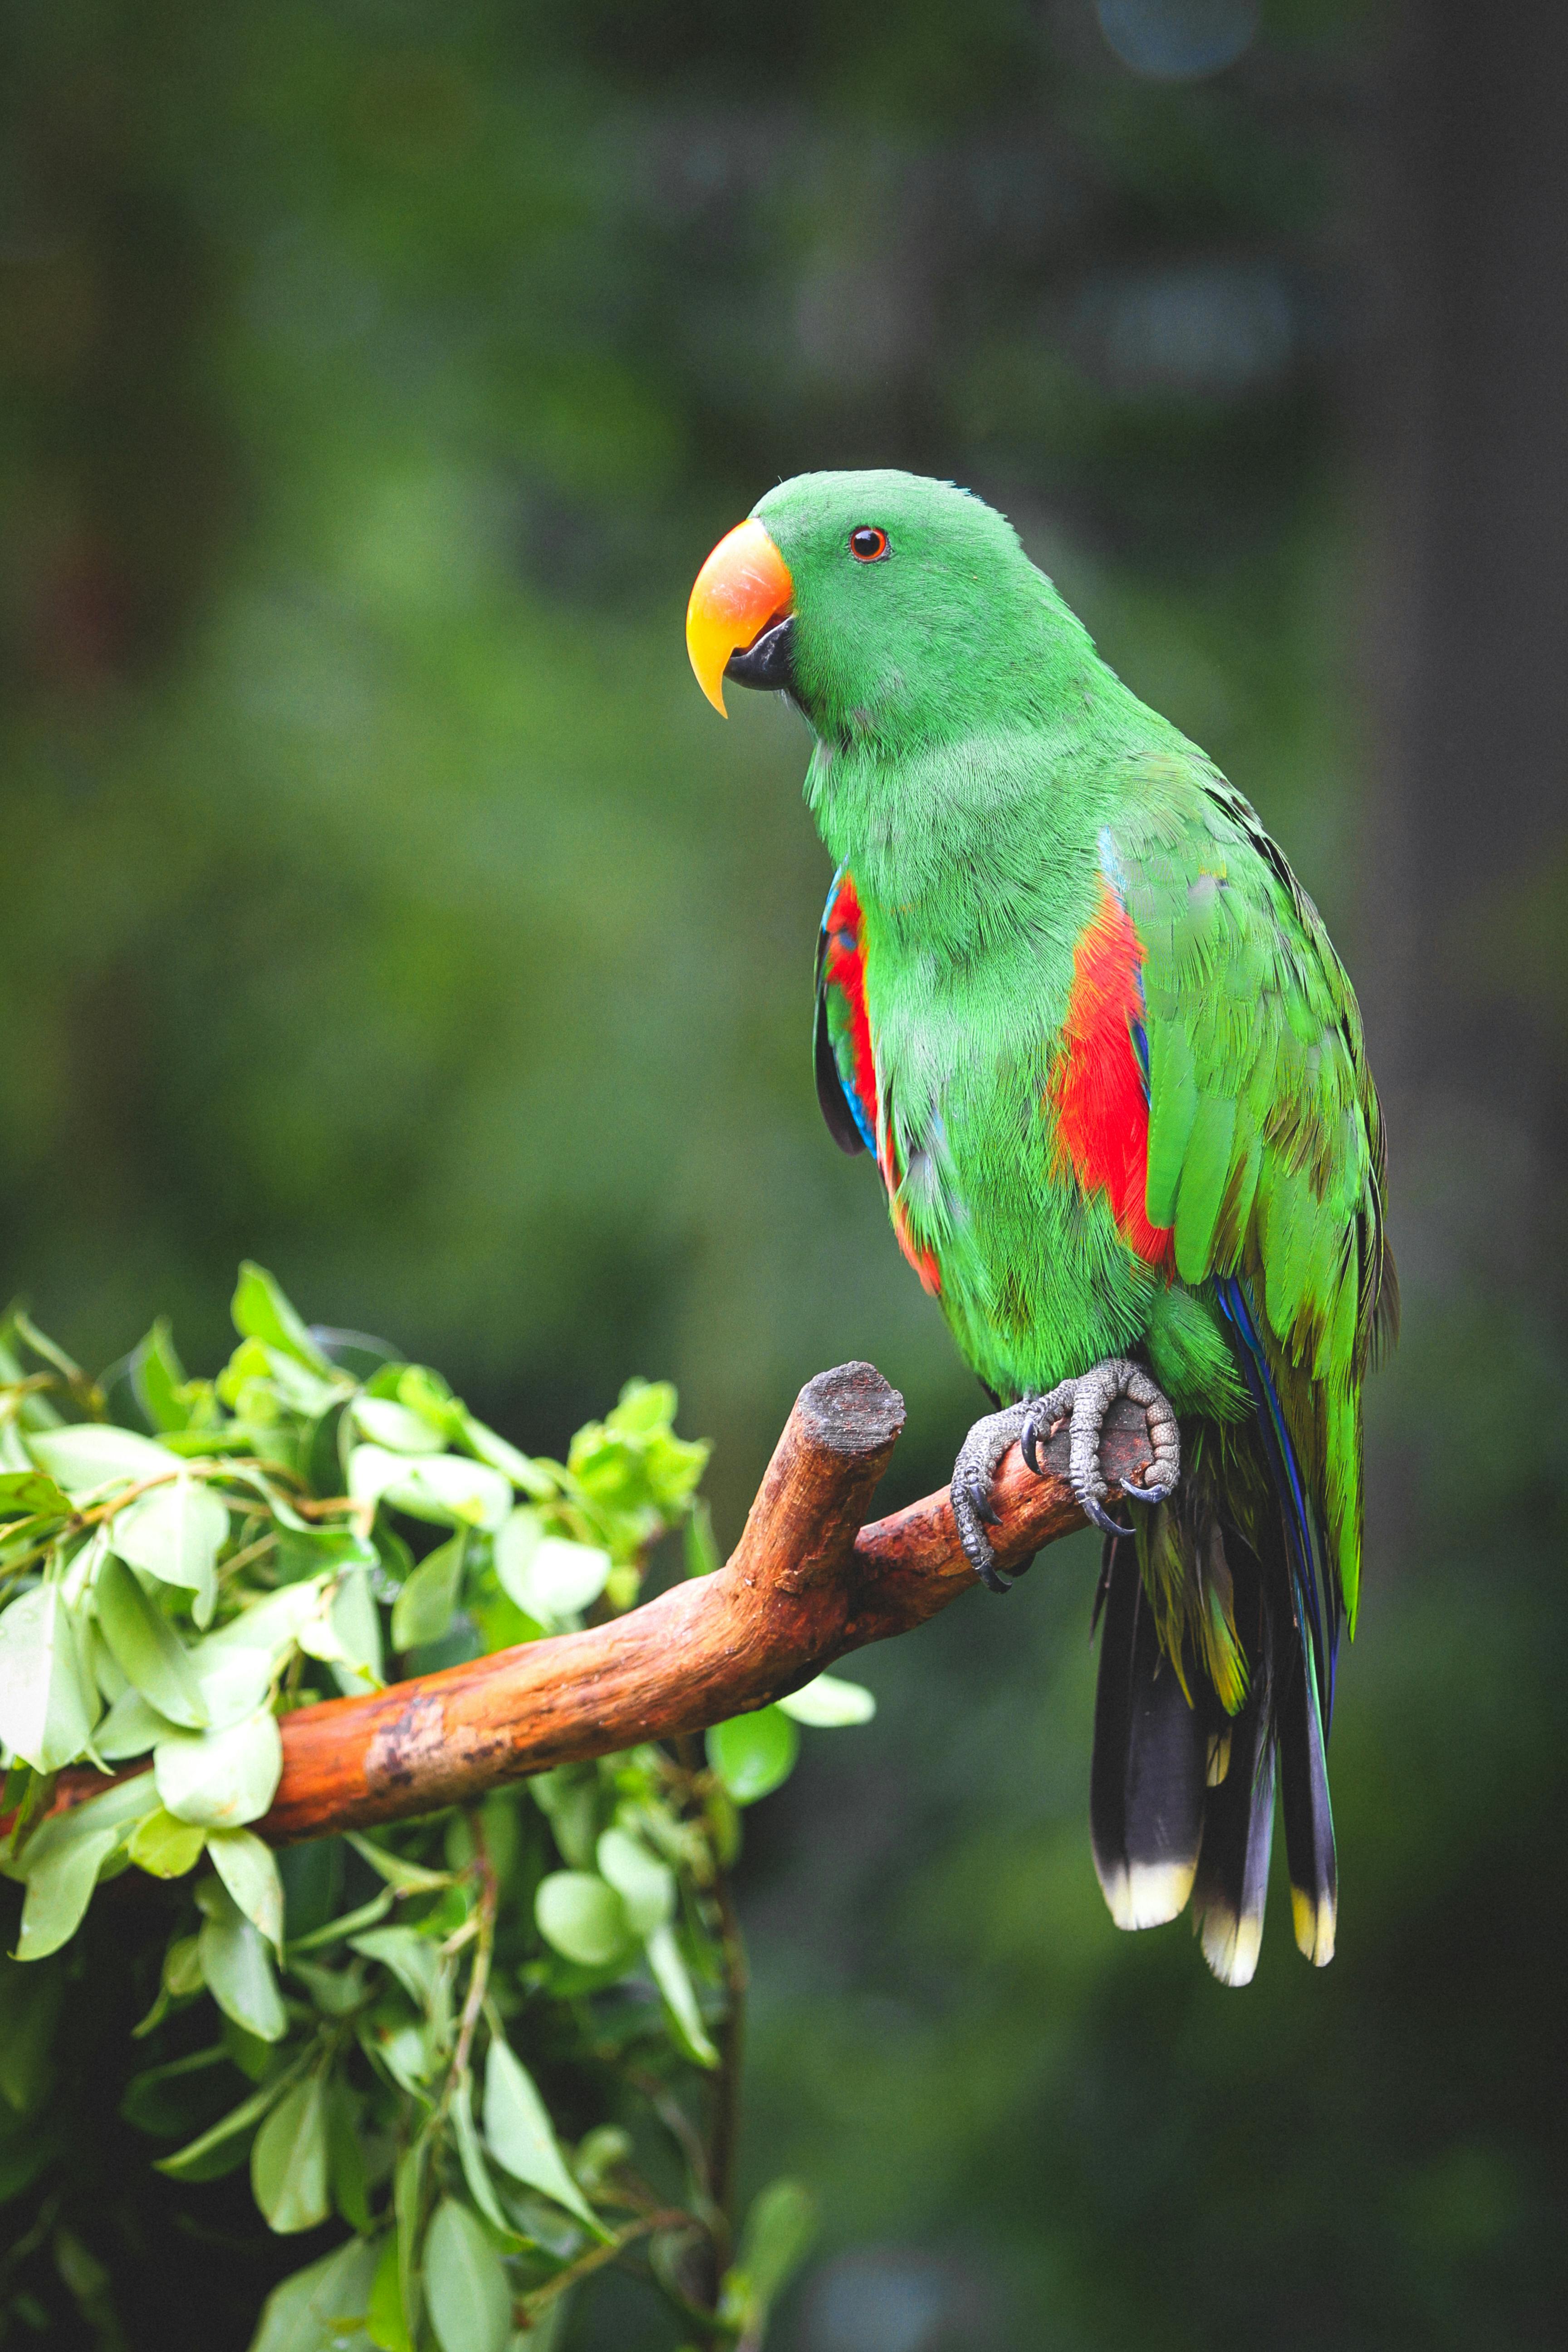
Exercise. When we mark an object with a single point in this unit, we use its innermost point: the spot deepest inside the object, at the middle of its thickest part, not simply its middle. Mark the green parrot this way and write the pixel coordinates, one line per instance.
(1074, 1002)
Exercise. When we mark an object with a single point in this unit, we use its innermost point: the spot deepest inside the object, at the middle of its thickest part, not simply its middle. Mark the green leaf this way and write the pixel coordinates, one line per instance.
(345, 2160)
(405, 2052)
(29, 2008)
(583, 1918)
(130, 1729)
(272, 1626)
(221, 1778)
(423, 1610)
(698, 1542)
(548, 1578)
(61, 1859)
(425, 1392)
(644, 1885)
(253, 2057)
(320, 2309)
(471, 2156)
(165, 1847)
(532, 1477)
(222, 2146)
(446, 1489)
(60, 1888)
(306, 1551)
(42, 1345)
(670, 1974)
(356, 1623)
(465, 2285)
(568, 1798)
(311, 1869)
(393, 1426)
(91, 1454)
(261, 1311)
(233, 1681)
(517, 1539)
(47, 1708)
(384, 2323)
(289, 2171)
(335, 1930)
(754, 1754)
(249, 1871)
(146, 1646)
(644, 1409)
(237, 1966)
(408, 1877)
(157, 1377)
(25, 1494)
(412, 1957)
(405, 2049)
(776, 2239)
(827, 1702)
(336, 1992)
(183, 1967)
(175, 1534)
(156, 2101)
(520, 2135)
(408, 2183)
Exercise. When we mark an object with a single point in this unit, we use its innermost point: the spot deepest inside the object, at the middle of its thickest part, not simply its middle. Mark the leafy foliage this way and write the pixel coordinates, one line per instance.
(496, 2044)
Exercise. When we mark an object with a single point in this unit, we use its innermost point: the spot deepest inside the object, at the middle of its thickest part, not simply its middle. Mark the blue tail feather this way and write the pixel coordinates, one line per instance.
(1316, 1605)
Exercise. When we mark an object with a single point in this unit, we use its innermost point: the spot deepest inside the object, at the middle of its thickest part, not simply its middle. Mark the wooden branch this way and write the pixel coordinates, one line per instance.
(805, 1583)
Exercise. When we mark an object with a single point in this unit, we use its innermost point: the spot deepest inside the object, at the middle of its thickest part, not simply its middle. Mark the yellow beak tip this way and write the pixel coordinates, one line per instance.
(708, 673)
(743, 586)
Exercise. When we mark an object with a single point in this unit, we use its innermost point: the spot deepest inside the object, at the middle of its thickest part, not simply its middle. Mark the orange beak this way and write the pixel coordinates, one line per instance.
(742, 588)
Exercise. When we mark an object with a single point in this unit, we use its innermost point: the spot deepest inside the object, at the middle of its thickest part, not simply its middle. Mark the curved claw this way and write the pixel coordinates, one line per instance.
(1148, 1496)
(974, 1508)
(1038, 1429)
(1101, 1518)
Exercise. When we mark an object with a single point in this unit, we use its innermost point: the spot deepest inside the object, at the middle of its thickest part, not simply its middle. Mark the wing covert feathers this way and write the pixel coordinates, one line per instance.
(1266, 1147)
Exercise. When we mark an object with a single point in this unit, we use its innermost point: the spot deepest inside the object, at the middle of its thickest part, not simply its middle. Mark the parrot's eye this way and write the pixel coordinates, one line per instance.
(867, 544)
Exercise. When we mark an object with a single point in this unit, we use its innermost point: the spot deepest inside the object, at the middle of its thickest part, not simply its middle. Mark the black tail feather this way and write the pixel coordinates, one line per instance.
(1309, 1818)
(1232, 1882)
(1182, 1797)
(1147, 1779)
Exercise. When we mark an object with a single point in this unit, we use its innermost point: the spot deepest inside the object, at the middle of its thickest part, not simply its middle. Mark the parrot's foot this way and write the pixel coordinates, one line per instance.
(972, 1475)
(1085, 1402)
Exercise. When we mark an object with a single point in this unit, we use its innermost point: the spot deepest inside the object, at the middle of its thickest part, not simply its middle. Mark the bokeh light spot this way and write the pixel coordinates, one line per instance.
(1178, 40)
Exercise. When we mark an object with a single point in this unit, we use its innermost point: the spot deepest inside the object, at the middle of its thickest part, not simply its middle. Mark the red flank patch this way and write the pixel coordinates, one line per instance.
(1097, 1086)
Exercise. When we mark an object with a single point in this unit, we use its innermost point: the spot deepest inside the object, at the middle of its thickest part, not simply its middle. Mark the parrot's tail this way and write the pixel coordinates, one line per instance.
(1182, 1793)
(1147, 1777)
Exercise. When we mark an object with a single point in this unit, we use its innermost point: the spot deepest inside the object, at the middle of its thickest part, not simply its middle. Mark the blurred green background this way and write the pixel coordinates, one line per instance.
(383, 901)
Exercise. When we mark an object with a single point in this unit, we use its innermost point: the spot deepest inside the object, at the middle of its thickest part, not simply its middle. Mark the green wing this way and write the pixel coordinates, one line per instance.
(1265, 1152)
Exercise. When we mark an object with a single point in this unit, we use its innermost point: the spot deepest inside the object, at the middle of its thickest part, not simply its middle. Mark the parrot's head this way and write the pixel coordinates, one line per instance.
(896, 611)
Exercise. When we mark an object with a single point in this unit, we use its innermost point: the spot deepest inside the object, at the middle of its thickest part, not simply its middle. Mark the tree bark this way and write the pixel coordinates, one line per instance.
(805, 1583)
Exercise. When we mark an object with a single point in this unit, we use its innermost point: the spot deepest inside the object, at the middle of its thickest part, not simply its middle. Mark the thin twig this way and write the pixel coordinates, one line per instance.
(248, 1557)
(597, 2256)
(480, 1973)
(724, 2133)
(681, 2130)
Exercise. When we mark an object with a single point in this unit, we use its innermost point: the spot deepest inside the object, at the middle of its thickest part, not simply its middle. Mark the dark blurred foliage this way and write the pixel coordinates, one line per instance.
(385, 902)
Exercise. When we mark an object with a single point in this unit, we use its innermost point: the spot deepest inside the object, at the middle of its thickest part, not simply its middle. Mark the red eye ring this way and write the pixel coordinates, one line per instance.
(867, 544)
